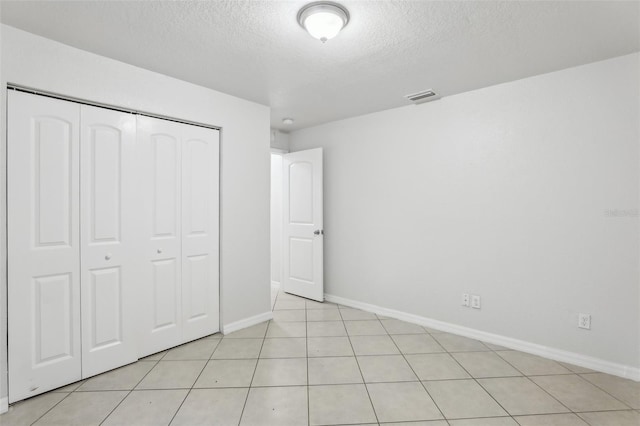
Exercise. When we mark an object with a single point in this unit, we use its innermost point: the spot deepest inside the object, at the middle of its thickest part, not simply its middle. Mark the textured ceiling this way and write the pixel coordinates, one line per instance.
(257, 51)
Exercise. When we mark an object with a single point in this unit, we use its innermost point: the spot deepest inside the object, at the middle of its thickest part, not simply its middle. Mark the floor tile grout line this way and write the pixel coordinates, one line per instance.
(54, 406)
(576, 414)
(548, 393)
(340, 384)
(254, 372)
(603, 390)
(192, 385)
(480, 384)
(540, 387)
(418, 377)
(77, 389)
(511, 364)
(132, 389)
(375, 413)
(516, 420)
(543, 375)
(84, 381)
(584, 420)
(474, 378)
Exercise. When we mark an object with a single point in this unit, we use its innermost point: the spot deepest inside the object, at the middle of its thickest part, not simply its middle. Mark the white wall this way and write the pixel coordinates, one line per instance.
(279, 144)
(276, 219)
(502, 192)
(244, 183)
(279, 140)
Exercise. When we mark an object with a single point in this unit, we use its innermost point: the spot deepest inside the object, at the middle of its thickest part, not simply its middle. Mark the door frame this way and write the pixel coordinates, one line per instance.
(279, 152)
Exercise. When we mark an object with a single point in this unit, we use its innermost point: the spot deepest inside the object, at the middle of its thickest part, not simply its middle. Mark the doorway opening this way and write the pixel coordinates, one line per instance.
(276, 223)
(297, 234)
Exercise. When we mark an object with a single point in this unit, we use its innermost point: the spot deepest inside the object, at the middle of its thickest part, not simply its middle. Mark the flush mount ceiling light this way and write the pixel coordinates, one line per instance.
(287, 121)
(323, 19)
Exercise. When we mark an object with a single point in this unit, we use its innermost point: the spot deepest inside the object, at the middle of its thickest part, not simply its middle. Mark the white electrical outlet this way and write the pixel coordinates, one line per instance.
(465, 299)
(584, 321)
(475, 301)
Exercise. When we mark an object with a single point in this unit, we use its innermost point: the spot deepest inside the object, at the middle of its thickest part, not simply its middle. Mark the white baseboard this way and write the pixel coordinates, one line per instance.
(597, 364)
(4, 405)
(275, 284)
(247, 322)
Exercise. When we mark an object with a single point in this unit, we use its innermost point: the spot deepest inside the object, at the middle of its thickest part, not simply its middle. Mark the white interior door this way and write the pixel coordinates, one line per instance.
(160, 306)
(303, 223)
(43, 244)
(200, 298)
(109, 239)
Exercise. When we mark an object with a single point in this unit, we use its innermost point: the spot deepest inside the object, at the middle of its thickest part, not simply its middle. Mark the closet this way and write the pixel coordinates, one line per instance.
(112, 239)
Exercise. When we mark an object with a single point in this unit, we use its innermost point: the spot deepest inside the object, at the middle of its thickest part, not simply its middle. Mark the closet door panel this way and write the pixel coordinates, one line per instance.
(43, 244)
(160, 299)
(110, 239)
(165, 289)
(105, 293)
(200, 180)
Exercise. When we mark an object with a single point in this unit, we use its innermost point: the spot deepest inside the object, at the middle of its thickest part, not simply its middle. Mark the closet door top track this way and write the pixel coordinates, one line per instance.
(26, 89)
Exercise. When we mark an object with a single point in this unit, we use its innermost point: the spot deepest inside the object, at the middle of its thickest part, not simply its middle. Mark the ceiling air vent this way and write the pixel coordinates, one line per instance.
(424, 96)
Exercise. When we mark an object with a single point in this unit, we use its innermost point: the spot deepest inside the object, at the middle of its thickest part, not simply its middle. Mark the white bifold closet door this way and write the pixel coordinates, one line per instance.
(200, 228)
(179, 178)
(72, 242)
(43, 244)
(112, 239)
(109, 234)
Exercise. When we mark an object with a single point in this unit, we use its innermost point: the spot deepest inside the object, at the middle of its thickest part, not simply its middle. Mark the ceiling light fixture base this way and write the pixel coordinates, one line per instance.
(323, 19)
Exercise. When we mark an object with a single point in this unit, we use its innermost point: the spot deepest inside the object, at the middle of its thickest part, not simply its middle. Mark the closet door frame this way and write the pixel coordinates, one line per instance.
(21, 90)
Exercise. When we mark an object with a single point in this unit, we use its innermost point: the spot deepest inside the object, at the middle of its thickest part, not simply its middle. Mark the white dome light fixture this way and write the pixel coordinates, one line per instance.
(323, 19)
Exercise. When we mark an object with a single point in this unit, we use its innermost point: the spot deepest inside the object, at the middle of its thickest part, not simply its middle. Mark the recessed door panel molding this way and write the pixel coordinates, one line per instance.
(165, 291)
(303, 232)
(43, 244)
(53, 325)
(200, 257)
(111, 239)
(105, 172)
(106, 308)
(166, 185)
(301, 259)
(197, 287)
(301, 192)
(197, 179)
(52, 181)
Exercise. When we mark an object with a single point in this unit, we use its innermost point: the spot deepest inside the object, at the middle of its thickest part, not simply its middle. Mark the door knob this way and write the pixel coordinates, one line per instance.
(318, 232)
(108, 256)
(159, 251)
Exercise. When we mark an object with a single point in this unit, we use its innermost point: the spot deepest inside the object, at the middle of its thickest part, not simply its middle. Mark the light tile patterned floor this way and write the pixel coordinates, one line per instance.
(324, 364)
